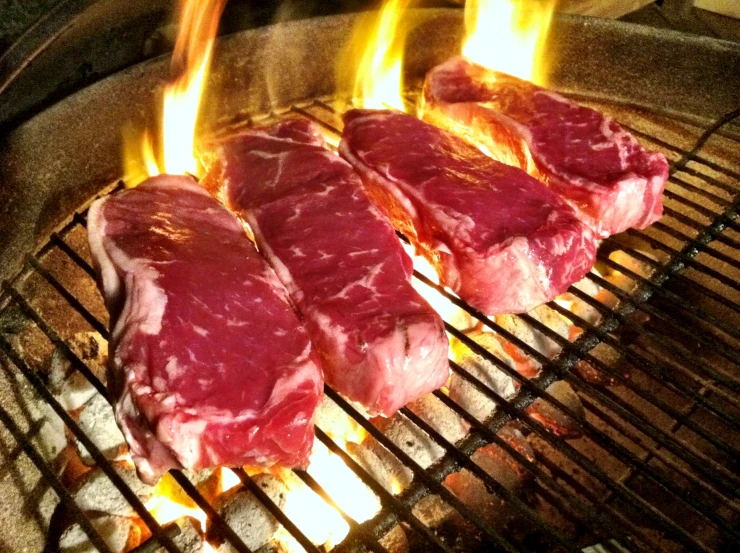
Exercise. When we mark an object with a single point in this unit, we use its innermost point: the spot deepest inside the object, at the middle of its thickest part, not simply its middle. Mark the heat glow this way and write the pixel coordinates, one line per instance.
(508, 36)
(376, 54)
(181, 99)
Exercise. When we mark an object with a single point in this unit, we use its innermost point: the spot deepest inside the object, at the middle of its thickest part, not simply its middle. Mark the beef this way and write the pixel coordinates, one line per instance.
(210, 364)
(499, 238)
(382, 345)
(588, 158)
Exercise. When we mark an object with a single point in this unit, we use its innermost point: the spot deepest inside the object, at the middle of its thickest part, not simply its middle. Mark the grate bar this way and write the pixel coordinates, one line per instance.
(384, 495)
(572, 348)
(662, 227)
(361, 532)
(688, 308)
(718, 200)
(656, 370)
(491, 484)
(50, 476)
(662, 276)
(95, 453)
(600, 438)
(423, 476)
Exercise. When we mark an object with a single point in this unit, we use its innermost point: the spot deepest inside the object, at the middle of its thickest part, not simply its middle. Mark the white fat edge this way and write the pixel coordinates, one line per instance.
(334, 332)
(518, 249)
(96, 225)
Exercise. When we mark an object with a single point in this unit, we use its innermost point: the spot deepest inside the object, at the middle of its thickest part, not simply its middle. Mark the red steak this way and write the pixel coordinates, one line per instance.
(210, 364)
(382, 344)
(498, 237)
(589, 159)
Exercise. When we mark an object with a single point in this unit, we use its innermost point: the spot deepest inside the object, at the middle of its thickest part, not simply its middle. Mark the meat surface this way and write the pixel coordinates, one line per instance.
(210, 364)
(502, 240)
(588, 158)
(382, 345)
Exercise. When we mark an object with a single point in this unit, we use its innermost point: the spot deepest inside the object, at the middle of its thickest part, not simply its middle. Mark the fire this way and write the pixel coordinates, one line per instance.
(170, 502)
(181, 98)
(508, 35)
(375, 53)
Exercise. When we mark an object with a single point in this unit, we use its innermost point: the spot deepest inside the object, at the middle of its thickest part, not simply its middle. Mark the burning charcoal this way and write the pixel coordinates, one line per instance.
(524, 363)
(119, 533)
(189, 540)
(549, 415)
(244, 513)
(440, 417)
(432, 511)
(98, 493)
(335, 421)
(501, 467)
(411, 439)
(400, 474)
(465, 394)
(628, 262)
(395, 541)
(98, 422)
(607, 355)
(71, 388)
(555, 322)
(368, 460)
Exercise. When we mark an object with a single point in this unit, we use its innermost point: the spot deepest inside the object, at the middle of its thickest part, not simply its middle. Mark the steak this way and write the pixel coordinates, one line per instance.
(210, 364)
(382, 345)
(502, 240)
(588, 158)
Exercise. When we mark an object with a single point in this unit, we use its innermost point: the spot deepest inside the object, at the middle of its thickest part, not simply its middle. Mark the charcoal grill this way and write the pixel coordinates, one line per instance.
(656, 466)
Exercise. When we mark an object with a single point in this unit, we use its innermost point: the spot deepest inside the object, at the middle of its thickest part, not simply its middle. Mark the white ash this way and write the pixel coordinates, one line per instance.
(413, 440)
(335, 421)
(98, 493)
(554, 322)
(97, 421)
(464, 393)
(246, 515)
(70, 387)
(119, 533)
(374, 466)
(398, 472)
(189, 540)
(432, 511)
(395, 541)
(554, 419)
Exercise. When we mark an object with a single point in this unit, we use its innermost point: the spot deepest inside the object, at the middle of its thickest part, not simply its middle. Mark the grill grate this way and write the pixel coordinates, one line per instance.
(657, 465)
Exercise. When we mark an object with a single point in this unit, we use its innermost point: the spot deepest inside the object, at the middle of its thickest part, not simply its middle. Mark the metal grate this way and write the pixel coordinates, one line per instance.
(656, 467)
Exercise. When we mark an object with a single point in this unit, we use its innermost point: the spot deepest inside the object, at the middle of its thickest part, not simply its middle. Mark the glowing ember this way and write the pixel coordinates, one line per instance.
(378, 79)
(508, 35)
(190, 60)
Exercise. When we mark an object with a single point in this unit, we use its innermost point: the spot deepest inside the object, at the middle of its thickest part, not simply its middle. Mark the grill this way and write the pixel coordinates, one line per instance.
(654, 368)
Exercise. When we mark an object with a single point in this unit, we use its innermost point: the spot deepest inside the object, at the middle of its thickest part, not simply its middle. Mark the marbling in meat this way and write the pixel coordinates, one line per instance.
(588, 158)
(210, 364)
(382, 345)
(502, 240)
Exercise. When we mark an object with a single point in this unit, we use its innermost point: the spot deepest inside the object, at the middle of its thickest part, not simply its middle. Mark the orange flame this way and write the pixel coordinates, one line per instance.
(375, 54)
(181, 98)
(508, 35)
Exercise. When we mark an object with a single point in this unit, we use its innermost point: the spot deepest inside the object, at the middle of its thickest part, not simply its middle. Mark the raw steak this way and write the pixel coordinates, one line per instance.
(382, 344)
(210, 364)
(589, 159)
(498, 237)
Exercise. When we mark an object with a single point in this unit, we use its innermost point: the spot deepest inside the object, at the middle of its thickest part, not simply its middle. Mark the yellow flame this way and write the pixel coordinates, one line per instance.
(170, 502)
(508, 35)
(181, 98)
(375, 53)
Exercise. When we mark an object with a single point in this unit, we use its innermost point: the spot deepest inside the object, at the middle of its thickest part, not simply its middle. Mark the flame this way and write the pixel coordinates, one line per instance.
(181, 98)
(375, 52)
(170, 502)
(508, 35)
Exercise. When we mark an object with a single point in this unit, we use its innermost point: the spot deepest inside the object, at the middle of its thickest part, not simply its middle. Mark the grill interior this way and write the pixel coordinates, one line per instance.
(655, 466)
